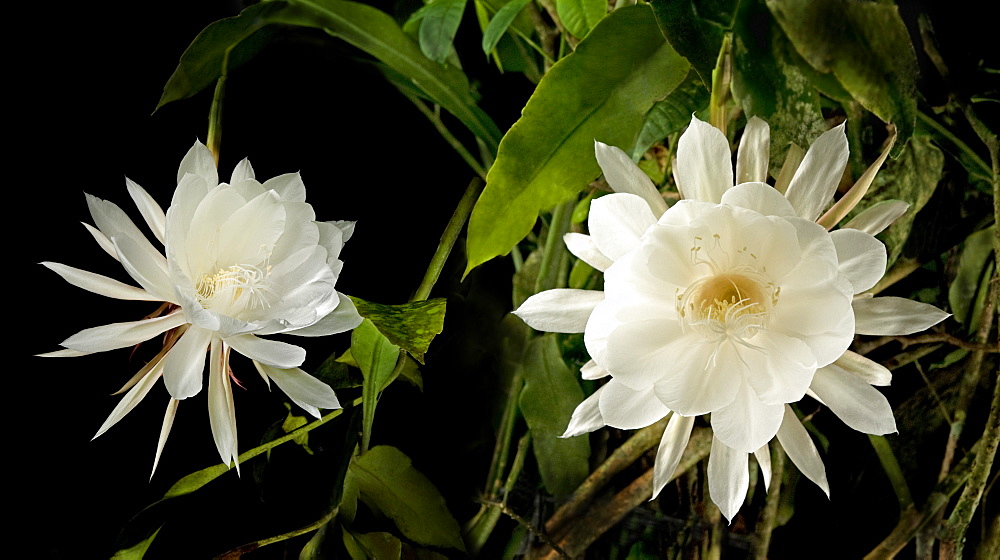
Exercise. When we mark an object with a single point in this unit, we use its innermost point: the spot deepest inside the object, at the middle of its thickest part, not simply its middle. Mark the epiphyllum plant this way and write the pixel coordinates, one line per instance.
(733, 302)
(243, 259)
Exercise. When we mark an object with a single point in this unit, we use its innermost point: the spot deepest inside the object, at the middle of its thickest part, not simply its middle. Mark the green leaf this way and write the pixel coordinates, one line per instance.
(580, 16)
(501, 21)
(691, 33)
(335, 373)
(968, 289)
(601, 91)
(866, 46)
(548, 399)
(671, 114)
(410, 326)
(388, 483)
(377, 546)
(138, 550)
(376, 357)
(438, 28)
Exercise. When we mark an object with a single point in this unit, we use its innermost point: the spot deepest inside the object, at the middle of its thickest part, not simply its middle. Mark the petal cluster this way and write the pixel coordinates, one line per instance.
(734, 302)
(242, 260)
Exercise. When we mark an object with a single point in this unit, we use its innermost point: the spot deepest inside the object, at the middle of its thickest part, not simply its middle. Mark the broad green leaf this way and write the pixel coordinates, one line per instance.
(501, 21)
(335, 373)
(601, 91)
(768, 83)
(968, 288)
(138, 550)
(671, 114)
(410, 326)
(866, 46)
(438, 28)
(388, 483)
(239, 38)
(551, 393)
(376, 357)
(376, 33)
(374, 546)
(580, 16)
(687, 26)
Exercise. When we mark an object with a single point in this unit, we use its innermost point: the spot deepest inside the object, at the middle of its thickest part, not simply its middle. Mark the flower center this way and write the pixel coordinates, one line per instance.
(232, 290)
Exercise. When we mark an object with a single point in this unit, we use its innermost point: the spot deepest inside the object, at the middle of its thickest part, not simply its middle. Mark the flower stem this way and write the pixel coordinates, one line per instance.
(722, 75)
(892, 470)
(239, 551)
(214, 140)
(554, 247)
(448, 239)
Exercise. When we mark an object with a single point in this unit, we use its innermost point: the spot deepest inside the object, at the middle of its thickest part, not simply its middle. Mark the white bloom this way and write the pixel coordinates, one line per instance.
(243, 259)
(734, 302)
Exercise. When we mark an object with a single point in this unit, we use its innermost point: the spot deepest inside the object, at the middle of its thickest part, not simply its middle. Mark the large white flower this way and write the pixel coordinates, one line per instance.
(733, 302)
(243, 259)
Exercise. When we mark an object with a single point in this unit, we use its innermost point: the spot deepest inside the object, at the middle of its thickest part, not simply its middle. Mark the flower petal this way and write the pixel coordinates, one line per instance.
(184, 364)
(121, 335)
(113, 222)
(586, 416)
(854, 195)
(869, 371)
(584, 248)
(879, 216)
(862, 258)
(617, 221)
(781, 371)
(763, 456)
(99, 284)
(168, 422)
(304, 390)
(753, 156)
(199, 161)
(132, 398)
(150, 210)
(668, 454)
(242, 172)
(801, 450)
(591, 370)
(728, 478)
(274, 353)
(704, 168)
(562, 310)
(816, 179)
(759, 197)
(624, 176)
(746, 424)
(343, 318)
(149, 270)
(855, 402)
(894, 316)
(221, 408)
(628, 409)
(692, 377)
(289, 186)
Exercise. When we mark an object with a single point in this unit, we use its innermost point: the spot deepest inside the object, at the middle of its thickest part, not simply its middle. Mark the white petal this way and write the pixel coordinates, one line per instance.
(113, 222)
(343, 318)
(242, 172)
(561, 310)
(854, 195)
(591, 370)
(586, 417)
(168, 422)
(199, 161)
(879, 216)
(668, 454)
(289, 186)
(801, 450)
(746, 424)
(779, 373)
(752, 158)
(132, 398)
(759, 197)
(862, 258)
(121, 335)
(345, 226)
(869, 371)
(99, 284)
(624, 176)
(728, 478)
(628, 409)
(150, 210)
(148, 269)
(763, 456)
(221, 408)
(304, 390)
(102, 240)
(64, 353)
(275, 353)
(692, 377)
(585, 249)
(184, 364)
(894, 316)
(617, 221)
(704, 168)
(819, 174)
(855, 402)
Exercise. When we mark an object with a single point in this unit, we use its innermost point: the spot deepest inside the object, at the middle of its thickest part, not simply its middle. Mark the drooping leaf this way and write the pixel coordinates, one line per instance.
(501, 21)
(438, 27)
(376, 357)
(580, 16)
(548, 399)
(374, 546)
(866, 46)
(410, 326)
(601, 91)
(138, 550)
(967, 290)
(689, 27)
(388, 483)
(671, 114)
(335, 373)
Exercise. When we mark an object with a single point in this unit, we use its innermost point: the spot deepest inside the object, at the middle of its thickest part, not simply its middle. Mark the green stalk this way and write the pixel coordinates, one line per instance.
(892, 470)
(448, 239)
(554, 246)
(215, 112)
(435, 118)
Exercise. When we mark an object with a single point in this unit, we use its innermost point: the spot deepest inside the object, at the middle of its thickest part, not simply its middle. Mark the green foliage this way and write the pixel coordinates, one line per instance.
(580, 16)
(136, 551)
(969, 289)
(694, 36)
(438, 27)
(501, 21)
(601, 91)
(671, 114)
(410, 326)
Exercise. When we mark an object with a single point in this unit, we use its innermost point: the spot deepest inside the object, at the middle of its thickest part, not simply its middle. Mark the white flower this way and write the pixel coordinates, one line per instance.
(734, 302)
(243, 259)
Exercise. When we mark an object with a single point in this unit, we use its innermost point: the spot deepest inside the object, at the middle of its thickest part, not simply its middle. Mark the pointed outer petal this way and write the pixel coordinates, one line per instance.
(862, 258)
(584, 248)
(168, 422)
(592, 371)
(704, 168)
(190, 191)
(782, 371)
(64, 353)
(692, 376)
(799, 447)
(331, 238)
(759, 197)
(221, 408)
(869, 371)
(587, 416)
(815, 397)
(342, 319)
(855, 402)
(668, 454)
(148, 270)
(728, 478)
(853, 196)
(617, 221)
(763, 456)
(754, 153)
(875, 219)
(242, 172)
(746, 424)
(346, 226)
(304, 390)
(288, 186)
(562, 310)
(98, 284)
(128, 402)
(793, 159)
(121, 335)
(102, 240)
(150, 210)
(628, 409)
(199, 161)
(184, 364)
(817, 177)
(894, 316)
(274, 353)
(115, 224)
(624, 176)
